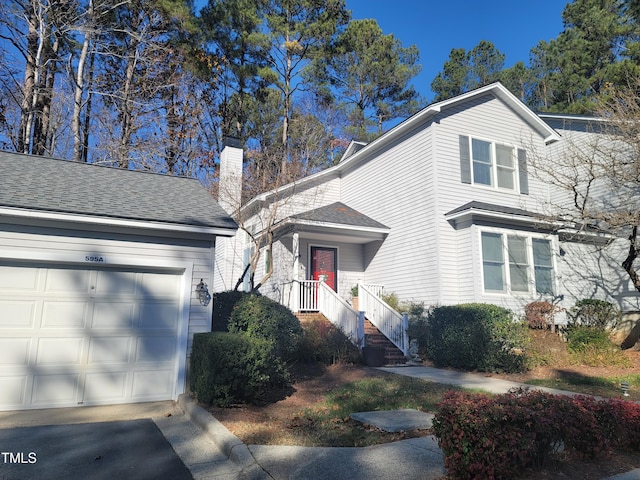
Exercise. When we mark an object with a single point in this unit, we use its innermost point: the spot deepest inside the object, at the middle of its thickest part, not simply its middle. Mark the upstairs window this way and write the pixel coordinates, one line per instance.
(493, 164)
(518, 264)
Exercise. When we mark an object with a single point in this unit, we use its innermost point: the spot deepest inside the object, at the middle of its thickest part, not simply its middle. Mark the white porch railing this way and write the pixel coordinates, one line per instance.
(307, 300)
(390, 323)
(341, 314)
(316, 296)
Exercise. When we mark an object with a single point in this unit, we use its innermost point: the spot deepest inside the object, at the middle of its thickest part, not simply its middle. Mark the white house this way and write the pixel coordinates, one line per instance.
(99, 275)
(442, 209)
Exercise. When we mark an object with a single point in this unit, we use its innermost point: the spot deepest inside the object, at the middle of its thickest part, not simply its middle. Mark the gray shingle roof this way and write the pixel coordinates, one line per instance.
(61, 186)
(339, 213)
(490, 207)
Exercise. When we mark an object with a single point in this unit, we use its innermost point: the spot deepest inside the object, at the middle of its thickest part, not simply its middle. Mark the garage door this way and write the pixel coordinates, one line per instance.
(72, 336)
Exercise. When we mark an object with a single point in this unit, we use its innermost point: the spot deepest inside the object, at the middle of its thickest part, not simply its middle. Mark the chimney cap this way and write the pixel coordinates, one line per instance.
(228, 141)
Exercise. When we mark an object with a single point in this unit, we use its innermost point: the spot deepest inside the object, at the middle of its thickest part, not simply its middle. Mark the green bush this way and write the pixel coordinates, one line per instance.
(228, 368)
(418, 316)
(325, 343)
(262, 317)
(477, 337)
(580, 338)
(223, 304)
(594, 313)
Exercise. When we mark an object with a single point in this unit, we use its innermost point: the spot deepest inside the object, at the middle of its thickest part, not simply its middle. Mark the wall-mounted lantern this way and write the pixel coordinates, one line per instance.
(202, 291)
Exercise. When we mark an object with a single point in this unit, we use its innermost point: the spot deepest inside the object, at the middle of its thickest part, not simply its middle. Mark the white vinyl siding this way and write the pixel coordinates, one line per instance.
(507, 263)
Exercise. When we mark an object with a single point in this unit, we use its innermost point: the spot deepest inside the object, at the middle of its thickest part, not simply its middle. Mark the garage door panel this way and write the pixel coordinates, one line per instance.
(113, 315)
(150, 385)
(14, 279)
(160, 315)
(55, 389)
(71, 314)
(17, 314)
(101, 386)
(159, 286)
(12, 390)
(115, 283)
(67, 280)
(14, 351)
(59, 351)
(155, 349)
(109, 350)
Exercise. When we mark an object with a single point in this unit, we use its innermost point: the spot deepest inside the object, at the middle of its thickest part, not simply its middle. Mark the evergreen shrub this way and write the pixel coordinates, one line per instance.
(229, 368)
(261, 317)
(477, 337)
(594, 313)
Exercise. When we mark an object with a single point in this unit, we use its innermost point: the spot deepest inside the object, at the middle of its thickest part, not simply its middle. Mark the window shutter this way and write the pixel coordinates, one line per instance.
(523, 173)
(465, 160)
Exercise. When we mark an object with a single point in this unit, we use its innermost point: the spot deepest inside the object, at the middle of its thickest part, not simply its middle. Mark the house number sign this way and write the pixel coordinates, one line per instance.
(94, 259)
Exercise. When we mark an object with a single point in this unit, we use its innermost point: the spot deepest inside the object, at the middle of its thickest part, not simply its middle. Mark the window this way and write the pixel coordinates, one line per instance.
(515, 263)
(493, 164)
(543, 265)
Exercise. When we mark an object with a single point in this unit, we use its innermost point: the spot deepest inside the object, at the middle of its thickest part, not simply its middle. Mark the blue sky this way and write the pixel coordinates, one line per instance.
(437, 26)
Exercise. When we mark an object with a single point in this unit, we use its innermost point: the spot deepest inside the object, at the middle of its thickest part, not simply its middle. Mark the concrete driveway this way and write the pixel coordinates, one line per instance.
(111, 443)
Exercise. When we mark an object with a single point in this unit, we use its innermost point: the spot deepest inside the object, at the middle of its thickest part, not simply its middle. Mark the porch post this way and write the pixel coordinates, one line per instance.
(405, 334)
(296, 272)
(360, 329)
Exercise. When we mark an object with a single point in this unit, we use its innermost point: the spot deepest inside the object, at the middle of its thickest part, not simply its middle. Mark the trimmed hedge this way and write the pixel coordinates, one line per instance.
(477, 337)
(498, 437)
(229, 368)
(261, 317)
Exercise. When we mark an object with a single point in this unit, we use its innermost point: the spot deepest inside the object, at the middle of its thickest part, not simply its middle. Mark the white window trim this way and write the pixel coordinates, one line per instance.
(529, 236)
(494, 165)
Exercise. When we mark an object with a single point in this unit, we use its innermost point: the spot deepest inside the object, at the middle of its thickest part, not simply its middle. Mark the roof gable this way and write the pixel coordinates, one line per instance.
(56, 186)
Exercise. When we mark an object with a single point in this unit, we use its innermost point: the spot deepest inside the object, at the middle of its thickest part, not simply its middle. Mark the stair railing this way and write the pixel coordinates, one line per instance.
(391, 324)
(341, 314)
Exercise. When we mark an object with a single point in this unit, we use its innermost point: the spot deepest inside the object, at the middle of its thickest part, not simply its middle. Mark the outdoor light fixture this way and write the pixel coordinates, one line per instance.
(203, 293)
(624, 386)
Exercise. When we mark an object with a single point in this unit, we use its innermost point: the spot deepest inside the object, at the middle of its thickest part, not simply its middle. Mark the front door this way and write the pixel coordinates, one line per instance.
(324, 265)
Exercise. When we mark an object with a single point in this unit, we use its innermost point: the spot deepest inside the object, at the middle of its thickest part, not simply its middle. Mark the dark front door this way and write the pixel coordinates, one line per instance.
(324, 265)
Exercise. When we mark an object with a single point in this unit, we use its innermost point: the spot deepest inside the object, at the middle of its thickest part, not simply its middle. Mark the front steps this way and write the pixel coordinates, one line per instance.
(373, 338)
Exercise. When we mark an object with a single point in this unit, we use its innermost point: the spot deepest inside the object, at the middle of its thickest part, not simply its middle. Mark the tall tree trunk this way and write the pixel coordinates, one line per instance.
(33, 54)
(76, 120)
(627, 264)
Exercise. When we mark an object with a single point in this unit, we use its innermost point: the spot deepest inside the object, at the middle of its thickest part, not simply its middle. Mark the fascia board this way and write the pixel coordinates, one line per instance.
(115, 222)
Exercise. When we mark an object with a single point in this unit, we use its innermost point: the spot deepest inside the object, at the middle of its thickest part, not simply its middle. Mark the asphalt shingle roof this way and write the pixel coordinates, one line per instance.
(61, 186)
(341, 214)
(490, 207)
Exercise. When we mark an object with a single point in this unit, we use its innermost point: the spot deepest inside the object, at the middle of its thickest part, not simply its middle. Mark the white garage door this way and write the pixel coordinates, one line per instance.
(71, 336)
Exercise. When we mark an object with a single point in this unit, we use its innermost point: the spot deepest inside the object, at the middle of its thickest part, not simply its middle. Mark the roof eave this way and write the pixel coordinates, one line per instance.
(117, 222)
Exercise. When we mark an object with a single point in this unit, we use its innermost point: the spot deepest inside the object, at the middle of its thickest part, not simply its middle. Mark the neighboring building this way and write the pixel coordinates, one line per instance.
(98, 275)
(442, 209)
